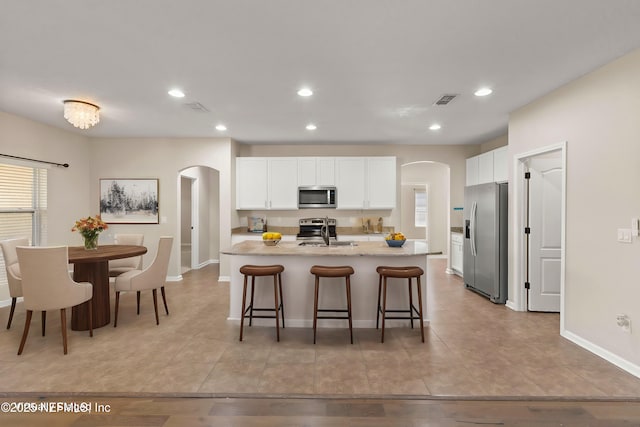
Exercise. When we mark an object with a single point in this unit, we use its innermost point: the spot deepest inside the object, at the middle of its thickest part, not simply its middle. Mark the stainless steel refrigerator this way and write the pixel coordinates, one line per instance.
(485, 240)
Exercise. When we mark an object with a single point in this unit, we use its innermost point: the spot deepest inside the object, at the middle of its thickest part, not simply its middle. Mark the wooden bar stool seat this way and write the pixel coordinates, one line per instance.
(254, 271)
(330, 271)
(412, 312)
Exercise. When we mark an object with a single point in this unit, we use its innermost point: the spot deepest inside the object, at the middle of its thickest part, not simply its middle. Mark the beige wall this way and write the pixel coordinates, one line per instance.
(435, 176)
(598, 116)
(68, 188)
(492, 144)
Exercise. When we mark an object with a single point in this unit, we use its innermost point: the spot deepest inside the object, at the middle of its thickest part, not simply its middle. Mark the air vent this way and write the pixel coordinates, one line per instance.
(445, 99)
(196, 106)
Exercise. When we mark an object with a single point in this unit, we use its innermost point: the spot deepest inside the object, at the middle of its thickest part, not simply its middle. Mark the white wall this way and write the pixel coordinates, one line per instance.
(68, 188)
(599, 117)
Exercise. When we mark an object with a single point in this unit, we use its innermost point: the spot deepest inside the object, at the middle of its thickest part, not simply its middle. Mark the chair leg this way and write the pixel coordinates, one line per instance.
(253, 291)
(315, 309)
(276, 305)
(91, 317)
(384, 306)
(44, 321)
(244, 304)
(164, 300)
(410, 303)
(115, 319)
(420, 307)
(138, 302)
(378, 308)
(349, 307)
(63, 322)
(27, 323)
(155, 305)
(281, 299)
(13, 309)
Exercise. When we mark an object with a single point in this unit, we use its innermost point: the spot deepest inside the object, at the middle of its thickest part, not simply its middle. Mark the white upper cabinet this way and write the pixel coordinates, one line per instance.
(316, 171)
(500, 164)
(266, 183)
(491, 166)
(366, 182)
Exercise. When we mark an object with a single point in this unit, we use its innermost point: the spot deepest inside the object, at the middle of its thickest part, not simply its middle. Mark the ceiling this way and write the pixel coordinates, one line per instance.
(376, 66)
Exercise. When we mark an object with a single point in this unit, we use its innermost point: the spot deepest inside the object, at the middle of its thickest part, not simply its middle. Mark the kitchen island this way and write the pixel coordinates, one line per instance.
(298, 282)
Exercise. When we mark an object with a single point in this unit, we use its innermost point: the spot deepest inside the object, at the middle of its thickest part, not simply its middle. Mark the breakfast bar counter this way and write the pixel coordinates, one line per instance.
(298, 282)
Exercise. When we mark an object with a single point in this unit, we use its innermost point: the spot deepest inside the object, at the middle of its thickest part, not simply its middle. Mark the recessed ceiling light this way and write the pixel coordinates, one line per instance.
(311, 126)
(221, 127)
(435, 126)
(305, 91)
(176, 93)
(484, 91)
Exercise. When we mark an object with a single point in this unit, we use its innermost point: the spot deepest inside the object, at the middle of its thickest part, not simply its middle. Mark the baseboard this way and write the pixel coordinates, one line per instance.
(632, 368)
(512, 305)
(177, 278)
(207, 262)
(224, 279)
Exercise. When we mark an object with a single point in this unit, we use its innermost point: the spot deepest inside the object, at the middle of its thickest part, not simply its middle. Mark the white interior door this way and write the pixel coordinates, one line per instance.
(545, 239)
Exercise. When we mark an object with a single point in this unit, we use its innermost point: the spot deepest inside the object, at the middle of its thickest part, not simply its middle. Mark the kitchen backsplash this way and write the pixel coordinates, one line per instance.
(345, 225)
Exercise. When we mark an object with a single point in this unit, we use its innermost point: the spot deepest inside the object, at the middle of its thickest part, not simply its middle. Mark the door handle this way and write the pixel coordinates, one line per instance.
(472, 227)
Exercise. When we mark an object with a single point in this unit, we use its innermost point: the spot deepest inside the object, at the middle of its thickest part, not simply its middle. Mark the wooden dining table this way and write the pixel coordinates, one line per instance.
(93, 266)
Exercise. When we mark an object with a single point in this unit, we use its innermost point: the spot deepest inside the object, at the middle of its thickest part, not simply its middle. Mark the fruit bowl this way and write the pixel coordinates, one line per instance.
(270, 242)
(395, 243)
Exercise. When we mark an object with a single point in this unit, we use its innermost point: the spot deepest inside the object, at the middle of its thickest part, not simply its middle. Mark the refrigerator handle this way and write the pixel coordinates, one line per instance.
(472, 227)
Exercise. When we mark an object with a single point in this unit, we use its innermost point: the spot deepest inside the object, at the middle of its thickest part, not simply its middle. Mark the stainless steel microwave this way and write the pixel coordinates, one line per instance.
(317, 196)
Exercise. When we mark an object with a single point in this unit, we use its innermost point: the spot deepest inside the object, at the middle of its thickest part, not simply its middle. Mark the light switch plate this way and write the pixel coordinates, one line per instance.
(634, 227)
(624, 235)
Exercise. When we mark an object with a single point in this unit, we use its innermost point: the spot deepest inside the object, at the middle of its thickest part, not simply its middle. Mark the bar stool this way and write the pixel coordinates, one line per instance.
(399, 273)
(256, 271)
(330, 271)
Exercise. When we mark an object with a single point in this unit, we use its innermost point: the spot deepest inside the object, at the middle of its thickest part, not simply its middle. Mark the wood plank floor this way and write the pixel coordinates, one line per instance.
(481, 364)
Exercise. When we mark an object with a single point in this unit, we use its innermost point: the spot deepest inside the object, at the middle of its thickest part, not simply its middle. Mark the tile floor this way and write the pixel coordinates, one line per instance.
(473, 349)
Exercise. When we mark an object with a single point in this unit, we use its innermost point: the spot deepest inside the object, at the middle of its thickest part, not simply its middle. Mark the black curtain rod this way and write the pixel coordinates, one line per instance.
(62, 165)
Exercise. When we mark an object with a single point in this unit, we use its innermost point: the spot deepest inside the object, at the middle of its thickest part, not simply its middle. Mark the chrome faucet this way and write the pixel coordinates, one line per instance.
(324, 231)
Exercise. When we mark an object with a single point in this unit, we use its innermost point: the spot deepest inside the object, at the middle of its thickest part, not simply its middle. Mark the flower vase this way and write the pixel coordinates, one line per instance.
(91, 242)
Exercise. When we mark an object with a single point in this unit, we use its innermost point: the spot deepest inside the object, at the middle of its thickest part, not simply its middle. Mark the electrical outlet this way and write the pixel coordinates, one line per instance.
(624, 322)
(624, 235)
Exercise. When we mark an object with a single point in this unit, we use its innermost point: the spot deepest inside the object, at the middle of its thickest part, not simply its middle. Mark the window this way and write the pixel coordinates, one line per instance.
(420, 214)
(23, 206)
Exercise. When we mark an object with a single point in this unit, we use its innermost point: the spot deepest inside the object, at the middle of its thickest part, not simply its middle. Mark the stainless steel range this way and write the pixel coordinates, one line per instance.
(310, 229)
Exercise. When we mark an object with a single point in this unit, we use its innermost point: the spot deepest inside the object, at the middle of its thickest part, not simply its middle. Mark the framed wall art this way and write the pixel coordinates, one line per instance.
(129, 201)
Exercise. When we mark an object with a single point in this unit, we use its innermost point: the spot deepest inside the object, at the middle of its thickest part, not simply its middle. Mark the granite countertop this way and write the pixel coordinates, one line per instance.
(410, 248)
(456, 229)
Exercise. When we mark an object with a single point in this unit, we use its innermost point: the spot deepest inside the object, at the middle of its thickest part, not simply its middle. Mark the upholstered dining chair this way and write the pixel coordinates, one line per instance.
(46, 285)
(14, 279)
(119, 266)
(152, 277)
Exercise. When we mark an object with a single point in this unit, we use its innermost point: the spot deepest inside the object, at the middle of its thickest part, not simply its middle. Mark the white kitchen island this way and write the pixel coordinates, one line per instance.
(298, 282)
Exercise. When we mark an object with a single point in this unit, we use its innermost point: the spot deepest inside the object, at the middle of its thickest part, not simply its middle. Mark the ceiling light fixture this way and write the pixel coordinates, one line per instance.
(81, 114)
(435, 126)
(483, 92)
(305, 91)
(311, 126)
(221, 127)
(176, 93)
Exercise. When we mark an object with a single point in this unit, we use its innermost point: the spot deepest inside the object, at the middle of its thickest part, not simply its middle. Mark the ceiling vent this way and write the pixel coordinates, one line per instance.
(445, 99)
(196, 106)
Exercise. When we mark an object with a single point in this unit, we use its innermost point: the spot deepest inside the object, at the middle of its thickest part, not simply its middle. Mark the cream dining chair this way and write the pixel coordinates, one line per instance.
(119, 266)
(152, 277)
(46, 285)
(14, 279)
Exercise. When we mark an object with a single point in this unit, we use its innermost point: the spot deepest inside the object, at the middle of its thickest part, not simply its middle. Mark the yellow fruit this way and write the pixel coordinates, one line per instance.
(267, 236)
(277, 236)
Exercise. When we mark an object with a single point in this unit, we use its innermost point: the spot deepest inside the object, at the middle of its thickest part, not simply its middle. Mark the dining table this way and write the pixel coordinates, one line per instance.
(93, 266)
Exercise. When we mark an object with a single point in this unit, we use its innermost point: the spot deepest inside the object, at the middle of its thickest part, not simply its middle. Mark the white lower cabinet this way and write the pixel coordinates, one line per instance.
(456, 253)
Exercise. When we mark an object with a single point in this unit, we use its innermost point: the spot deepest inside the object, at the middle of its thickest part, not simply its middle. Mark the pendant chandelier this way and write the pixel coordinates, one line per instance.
(81, 114)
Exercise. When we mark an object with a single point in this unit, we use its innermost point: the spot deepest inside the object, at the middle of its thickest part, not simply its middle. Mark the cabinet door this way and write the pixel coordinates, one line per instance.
(456, 252)
(472, 171)
(350, 182)
(500, 165)
(325, 171)
(251, 183)
(307, 171)
(485, 168)
(381, 183)
(283, 183)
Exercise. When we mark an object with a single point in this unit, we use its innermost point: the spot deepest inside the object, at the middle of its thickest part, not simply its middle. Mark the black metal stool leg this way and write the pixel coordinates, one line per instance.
(420, 306)
(276, 306)
(253, 291)
(349, 307)
(410, 303)
(315, 309)
(244, 304)
(378, 309)
(384, 305)
(281, 299)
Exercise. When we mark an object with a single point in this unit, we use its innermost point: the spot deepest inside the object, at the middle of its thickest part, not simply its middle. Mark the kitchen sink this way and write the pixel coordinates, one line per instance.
(333, 243)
